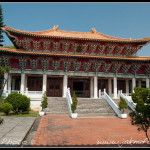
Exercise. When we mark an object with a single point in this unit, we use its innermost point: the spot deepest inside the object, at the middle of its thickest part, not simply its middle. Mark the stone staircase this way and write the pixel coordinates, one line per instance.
(94, 108)
(117, 102)
(86, 107)
(57, 105)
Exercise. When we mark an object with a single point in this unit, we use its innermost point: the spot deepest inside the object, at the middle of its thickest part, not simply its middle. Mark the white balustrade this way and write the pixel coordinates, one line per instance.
(129, 101)
(100, 93)
(69, 100)
(112, 103)
(30, 94)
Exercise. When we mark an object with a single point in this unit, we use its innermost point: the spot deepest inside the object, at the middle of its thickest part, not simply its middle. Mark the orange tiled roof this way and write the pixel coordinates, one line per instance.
(94, 35)
(25, 52)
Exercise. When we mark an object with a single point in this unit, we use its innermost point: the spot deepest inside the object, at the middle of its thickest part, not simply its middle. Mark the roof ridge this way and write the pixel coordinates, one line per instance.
(93, 35)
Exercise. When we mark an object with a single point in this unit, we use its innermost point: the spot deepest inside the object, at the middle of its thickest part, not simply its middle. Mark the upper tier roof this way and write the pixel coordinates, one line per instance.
(93, 35)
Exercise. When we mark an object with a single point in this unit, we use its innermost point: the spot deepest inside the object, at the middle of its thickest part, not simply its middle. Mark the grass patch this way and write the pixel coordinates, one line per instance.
(30, 114)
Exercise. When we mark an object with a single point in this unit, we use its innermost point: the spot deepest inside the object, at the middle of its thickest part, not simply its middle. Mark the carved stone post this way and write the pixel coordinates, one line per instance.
(65, 84)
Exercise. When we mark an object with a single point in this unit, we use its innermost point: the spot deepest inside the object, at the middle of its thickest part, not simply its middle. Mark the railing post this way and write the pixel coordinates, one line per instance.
(9, 90)
(26, 91)
(118, 93)
(104, 90)
(100, 94)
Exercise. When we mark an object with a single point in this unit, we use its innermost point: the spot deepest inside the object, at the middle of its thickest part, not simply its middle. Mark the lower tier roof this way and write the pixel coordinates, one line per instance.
(72, 55)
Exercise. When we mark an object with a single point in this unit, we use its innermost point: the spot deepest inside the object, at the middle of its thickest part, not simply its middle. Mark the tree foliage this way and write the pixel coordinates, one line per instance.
(20, 103)
(10, 46)
(74, 102)
(2, 71)
(141, 94)
(141, 117)
(6, 108)
(1, 121)
(122, 105)
(1, 25)
(44, 102)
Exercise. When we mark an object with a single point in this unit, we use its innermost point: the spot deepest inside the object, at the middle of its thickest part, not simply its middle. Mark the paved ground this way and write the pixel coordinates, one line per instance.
(14, 130)
(62, 131)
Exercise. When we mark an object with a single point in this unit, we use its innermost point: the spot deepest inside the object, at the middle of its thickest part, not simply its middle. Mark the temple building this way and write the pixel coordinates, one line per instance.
(87, 62)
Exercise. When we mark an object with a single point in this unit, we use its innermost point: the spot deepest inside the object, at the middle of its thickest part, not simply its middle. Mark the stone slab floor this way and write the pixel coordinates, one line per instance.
(63, 131)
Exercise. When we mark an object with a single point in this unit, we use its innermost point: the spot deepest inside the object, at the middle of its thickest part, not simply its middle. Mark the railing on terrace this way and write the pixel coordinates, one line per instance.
(127, 94)
(79, 93)
(31, 94)
(129, 101)
(111, 103)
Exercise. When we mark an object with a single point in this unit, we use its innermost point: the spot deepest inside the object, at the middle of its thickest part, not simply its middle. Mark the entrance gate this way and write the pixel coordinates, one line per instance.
(80, 86)
(54, 87)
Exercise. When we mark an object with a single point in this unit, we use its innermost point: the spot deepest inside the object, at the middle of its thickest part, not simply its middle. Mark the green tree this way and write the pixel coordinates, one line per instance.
(1, 25)
(44, 102)
(1, 121)
(2, 71)
(10, 46)
(6, 108)
(74, 102)
(20, 102)
(141, 117)
(122, 105)
(141, 94)
(2, 83)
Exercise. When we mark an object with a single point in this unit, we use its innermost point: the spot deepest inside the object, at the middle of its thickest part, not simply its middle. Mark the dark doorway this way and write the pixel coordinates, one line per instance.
(54, 87)
(78, 88)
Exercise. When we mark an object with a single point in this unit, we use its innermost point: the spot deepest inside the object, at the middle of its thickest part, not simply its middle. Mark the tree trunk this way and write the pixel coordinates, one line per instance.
(2, 88)
(147, 137)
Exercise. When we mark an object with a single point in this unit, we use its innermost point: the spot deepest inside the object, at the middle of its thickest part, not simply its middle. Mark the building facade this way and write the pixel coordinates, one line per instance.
(87, 62)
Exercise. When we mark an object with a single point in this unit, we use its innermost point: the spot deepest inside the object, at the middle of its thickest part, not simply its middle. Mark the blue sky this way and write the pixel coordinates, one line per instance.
(124, 20)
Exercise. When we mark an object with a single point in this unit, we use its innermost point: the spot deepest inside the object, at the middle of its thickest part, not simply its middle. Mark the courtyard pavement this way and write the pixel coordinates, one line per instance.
(63, 131)
(14, 130)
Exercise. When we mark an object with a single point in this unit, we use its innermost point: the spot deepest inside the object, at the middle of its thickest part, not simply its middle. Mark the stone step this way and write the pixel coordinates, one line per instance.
(100, 110)
(84, 106)
(96, 103)
(56, 98)
(94, 108)
(97, 115)
(55, 108)
(57, 105)
(116, 101)
(56, 112)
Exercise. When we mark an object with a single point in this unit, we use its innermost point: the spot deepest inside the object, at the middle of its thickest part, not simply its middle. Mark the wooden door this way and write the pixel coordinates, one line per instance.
(54, 87)
(34, 83)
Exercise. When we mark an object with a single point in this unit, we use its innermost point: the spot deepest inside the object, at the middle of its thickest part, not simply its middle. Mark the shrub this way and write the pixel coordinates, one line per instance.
(122, 104)
(141, 94)
(6, 108)
(44, 101)
(141, 116)
(19, 102)
(1, 100)
(74, 102)
(1, 121)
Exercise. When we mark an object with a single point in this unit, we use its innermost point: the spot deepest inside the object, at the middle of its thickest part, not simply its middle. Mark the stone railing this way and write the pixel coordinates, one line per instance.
(111, 103)
(69, 100)
(30, 94)
(129, 101)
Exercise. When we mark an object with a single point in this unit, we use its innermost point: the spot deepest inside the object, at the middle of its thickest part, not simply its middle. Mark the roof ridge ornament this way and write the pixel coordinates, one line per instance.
(131, 38)
(93, 30)
(55, 27)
